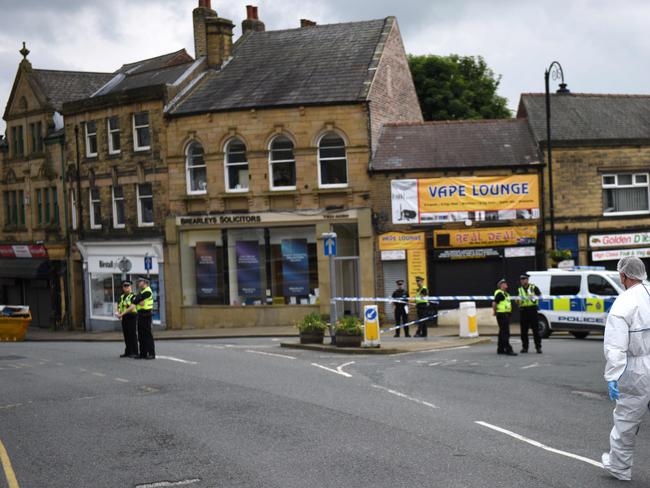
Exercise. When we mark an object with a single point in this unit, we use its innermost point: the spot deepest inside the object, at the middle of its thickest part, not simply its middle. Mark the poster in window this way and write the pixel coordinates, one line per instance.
(248, 269)
(206, 272)
(295, 267)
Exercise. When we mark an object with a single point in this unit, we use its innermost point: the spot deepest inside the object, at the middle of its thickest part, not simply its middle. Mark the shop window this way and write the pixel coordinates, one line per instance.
(236, 166)
(14, 203)
(91, 139)
(565, 285)
(95, 209)
(36, 132)
(145, 205)
(625, 194)
(141, 133)
(598, 285)
(282, 164)
(17, 141)
(274, 266)
(118, 207)
(196, 172)
(332, 162)
(113, 129)
(105, 291)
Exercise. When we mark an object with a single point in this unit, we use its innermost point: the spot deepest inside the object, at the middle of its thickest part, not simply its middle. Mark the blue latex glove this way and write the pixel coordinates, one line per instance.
(613, 390)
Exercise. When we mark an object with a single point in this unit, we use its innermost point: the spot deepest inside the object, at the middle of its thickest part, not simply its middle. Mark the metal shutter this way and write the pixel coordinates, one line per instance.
(393, 271)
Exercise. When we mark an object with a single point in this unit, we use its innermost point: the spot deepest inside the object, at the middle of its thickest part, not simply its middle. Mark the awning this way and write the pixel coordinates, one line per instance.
(25, 268)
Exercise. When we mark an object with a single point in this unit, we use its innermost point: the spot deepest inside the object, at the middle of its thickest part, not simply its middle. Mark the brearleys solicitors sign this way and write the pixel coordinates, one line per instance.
(475, 198)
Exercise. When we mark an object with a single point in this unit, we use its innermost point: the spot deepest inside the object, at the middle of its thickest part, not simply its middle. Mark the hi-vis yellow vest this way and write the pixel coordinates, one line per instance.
(525, 299)
(125, 302)
(419, 295)
(147, 303)
(504, 306)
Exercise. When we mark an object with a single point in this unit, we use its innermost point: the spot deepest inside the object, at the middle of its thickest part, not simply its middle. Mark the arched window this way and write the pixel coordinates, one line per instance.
(236, 166)
(282, 164)
(332, 161)
(197, 181)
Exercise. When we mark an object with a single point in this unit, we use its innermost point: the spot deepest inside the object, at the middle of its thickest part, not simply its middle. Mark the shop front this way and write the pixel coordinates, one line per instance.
(606, 249)
(29, 277)
(262, 269)
(106, 265)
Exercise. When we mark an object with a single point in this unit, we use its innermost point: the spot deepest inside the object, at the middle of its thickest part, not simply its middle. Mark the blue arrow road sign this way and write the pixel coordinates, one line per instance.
(371, 314)
(330, 246)
(148, 263)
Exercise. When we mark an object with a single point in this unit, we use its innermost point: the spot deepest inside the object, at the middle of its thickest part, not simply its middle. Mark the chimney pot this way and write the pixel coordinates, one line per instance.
(307, 23)
(255, 13)
(205, 4)
(249, 12)
(252, 22)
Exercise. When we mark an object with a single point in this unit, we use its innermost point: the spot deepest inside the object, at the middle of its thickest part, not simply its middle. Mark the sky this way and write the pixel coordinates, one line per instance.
(603, 46)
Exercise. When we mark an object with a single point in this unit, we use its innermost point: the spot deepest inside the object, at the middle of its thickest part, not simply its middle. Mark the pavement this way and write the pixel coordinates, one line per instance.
(441, 337)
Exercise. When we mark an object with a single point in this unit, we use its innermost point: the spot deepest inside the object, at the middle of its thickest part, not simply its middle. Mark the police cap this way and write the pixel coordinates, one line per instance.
(126, 283)
(400, 282)
(143, 278)
(419, 278)
(524, 276)
(502, 280)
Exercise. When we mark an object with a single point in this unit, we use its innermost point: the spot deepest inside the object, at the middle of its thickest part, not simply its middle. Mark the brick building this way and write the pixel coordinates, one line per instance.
(434, 211)
(36, 268)
(269, 149)
(601, 156)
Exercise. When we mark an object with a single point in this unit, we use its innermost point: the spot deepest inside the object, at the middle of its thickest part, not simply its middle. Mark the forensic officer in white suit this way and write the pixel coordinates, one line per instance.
(627, 351)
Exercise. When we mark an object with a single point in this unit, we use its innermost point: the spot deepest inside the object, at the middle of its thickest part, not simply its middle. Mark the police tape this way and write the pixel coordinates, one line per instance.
(424, 319)
(455, 298)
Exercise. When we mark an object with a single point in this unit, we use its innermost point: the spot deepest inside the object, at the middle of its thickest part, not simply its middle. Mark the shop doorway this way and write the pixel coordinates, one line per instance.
(347, 284)
(393, 271)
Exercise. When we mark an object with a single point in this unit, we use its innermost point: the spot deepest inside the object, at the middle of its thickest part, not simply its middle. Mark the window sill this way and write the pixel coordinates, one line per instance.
(14, 228)
(324, 191)
(142, 150)
(146, 225)
(272, 193)
(116, 155)
(240, 194)
(625, 214)
(91, 159)
(195, 196)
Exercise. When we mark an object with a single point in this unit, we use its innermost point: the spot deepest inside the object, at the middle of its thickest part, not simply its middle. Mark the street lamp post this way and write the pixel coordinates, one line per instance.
(555, 71)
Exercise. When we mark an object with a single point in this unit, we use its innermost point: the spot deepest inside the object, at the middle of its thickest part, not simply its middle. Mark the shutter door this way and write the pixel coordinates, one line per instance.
(393, 271)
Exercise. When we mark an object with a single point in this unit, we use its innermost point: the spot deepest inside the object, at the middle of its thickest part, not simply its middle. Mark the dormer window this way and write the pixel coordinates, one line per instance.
(91, 139)
(141, 134)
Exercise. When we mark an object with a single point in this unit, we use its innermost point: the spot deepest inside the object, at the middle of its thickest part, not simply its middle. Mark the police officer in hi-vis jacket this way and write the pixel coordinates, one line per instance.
(528, 294)
(129, 321)
(502, 308)
(143, 304)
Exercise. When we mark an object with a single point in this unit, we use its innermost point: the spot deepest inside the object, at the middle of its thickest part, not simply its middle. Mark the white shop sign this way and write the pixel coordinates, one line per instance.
(519, 252)
(615, 240)
(399, 255)
(616, 254)
(120, 264)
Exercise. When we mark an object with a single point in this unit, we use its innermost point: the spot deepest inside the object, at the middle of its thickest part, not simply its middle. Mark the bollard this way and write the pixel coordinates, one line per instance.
(467, 319)
(371, 332)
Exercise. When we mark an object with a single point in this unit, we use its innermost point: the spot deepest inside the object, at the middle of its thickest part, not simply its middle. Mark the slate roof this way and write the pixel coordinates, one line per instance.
(65, 86)
(159, 62)
(455, 144)
(307, 66)
(588, 117)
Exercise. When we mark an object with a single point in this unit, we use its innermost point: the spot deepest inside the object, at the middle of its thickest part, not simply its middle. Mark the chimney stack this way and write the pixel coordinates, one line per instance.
(212, 35)
(252, 22)
(307, 23)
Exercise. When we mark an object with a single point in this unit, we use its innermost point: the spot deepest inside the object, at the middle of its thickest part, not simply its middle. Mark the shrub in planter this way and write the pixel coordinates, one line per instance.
(349, 332)
(312, 329)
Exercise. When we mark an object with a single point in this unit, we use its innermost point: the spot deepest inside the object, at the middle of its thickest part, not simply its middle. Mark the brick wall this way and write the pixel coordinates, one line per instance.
(392, 95)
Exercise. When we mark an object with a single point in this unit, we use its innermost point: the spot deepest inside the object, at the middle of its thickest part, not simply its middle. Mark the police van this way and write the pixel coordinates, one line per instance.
(596, 288)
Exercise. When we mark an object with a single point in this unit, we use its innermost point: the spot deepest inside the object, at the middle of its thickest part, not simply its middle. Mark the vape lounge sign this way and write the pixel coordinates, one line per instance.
(617, 240)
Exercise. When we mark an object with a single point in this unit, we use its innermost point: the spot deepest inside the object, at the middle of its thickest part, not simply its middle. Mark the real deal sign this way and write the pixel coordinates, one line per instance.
(462, 198)
(615, 240)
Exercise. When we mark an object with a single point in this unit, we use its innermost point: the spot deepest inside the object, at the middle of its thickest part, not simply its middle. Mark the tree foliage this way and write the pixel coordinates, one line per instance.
(457, 87)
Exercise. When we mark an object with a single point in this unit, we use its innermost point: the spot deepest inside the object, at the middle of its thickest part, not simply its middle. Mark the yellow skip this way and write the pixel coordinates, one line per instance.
(6, 465)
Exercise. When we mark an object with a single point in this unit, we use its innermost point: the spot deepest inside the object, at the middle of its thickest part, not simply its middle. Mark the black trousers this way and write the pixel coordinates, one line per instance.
(145, 336)
(528, 320)
(401, 318)
(129, 329)
(423, 327)
(503, 319)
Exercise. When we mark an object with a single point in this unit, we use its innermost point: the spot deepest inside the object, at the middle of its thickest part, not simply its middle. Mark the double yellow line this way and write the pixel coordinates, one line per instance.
(6, 465)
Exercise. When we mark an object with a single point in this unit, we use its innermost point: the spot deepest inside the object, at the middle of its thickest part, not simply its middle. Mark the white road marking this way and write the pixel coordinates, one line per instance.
(122, 380)
(455, 348)
(12, 405)
(178, 360)
(406, 397)
(340, 368)
(539, 444)
(588, 394)
(435, 364)
(534, 365)
(101, 375)
(162, 484)
(269, 354)
(342, 373)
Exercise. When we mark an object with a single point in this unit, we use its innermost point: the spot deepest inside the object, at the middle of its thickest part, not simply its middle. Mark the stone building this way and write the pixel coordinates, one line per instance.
(116, 139)
(601, 180)
(36, 268)
(457, 203)
(265, 152)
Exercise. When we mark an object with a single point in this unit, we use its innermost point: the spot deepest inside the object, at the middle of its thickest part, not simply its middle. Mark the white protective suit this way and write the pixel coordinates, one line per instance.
(627, 351)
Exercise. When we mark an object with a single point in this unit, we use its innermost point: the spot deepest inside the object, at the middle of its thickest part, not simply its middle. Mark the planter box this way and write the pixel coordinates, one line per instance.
(311, 337)
(348, 341)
